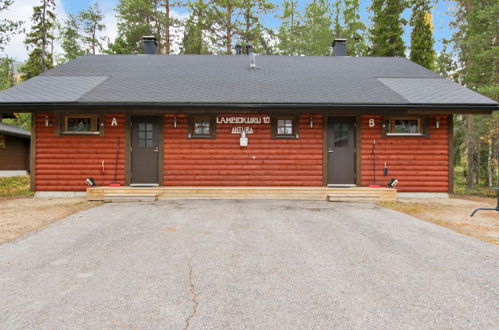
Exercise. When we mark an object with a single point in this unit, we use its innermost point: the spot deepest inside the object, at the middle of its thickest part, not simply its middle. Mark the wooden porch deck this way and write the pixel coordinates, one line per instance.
(333, 194)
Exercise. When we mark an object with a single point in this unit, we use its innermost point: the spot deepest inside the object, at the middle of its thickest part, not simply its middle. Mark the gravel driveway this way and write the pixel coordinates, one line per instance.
(247, 264)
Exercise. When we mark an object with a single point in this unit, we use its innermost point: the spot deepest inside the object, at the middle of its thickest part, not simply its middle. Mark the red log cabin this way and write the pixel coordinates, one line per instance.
(242, 120)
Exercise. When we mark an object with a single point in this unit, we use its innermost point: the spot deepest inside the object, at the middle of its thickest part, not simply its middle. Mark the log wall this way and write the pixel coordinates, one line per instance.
(421, 164)
(64, 162)
(222, 162)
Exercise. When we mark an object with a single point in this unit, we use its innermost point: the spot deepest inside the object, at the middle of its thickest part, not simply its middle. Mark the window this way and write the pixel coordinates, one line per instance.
(405, 126)
(341, 131)
(81, 124)
(145, 138)
(285, 128)
(202, 127)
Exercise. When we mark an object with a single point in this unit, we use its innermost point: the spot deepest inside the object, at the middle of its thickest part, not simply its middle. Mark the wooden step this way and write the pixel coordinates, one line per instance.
(125, 193)
(353, 198)
(116, 198)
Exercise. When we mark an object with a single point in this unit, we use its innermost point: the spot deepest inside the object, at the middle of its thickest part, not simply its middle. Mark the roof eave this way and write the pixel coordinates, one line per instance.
(58, 106)
(19, 135)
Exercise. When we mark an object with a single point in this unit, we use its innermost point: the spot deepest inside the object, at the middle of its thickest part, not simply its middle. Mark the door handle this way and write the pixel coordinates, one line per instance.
(156, 149)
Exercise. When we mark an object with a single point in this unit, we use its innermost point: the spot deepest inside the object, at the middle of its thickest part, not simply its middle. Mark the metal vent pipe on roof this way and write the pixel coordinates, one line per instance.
(239, 49)
(149, 45)
(340, 47)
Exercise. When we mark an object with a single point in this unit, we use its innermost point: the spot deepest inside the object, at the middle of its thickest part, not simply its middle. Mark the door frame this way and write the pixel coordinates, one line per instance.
(358, 148)
(128, 146)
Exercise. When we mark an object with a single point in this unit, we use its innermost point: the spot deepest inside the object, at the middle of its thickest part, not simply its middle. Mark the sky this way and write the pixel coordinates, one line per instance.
(22, 10)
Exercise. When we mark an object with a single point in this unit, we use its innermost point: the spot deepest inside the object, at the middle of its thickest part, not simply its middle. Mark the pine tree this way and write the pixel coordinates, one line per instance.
(7, 26)
(387, 30)
(445, 64)
(91, 24)
(316, 29)
(422, 40)
(22, 120)
(338, 31)
(138, 18)
(71, 36)
(6, 73)
(476, 43)
(251, 30)
(224, 23)
(135, 20)
(39, 39)
(167, 24)
(289, 32)
(354, 29)
(193, 41)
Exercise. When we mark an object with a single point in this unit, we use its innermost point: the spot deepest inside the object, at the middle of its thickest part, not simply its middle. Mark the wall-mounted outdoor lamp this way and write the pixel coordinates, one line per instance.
(437, 123)
(243, 140)
(47, 121)
(175, 122)
(311, 122)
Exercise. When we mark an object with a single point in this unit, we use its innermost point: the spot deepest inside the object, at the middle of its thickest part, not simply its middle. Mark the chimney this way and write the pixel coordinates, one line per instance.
(340, 47)
(149, 45)
(239, 49)
(249, 49)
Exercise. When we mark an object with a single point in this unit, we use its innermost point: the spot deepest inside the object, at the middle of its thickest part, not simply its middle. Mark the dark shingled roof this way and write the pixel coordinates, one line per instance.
(228, 79)
(14, 130)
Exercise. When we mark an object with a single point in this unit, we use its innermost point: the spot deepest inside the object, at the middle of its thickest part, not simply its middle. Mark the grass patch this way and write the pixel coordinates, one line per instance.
(15, 186)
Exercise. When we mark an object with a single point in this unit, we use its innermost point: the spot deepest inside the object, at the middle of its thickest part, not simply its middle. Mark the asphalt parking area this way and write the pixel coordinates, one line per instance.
(247, 264)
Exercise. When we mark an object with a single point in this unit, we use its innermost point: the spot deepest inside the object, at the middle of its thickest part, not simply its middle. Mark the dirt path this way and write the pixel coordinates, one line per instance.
(454, 213)
(21, 215)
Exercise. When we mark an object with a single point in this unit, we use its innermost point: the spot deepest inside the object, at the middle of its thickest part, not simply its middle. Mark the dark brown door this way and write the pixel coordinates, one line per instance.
(341, 150)
(145, 150)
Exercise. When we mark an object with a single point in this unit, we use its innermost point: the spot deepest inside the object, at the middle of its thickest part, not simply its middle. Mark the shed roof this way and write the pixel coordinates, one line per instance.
(228, 79)
(14, 131)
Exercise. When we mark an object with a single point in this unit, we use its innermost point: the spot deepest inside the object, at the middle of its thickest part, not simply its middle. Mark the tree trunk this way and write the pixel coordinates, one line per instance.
(478, 161)
(490, 166)
(247, 18)
(337, 19)
(52, 48)
(228, 36)
(44, 35)
(470, 151)
(94, 39)
(292, 37)
(167, 28)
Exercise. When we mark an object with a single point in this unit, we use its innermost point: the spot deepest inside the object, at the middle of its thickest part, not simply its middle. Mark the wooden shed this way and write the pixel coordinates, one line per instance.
(242, 121)
(14, 150)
